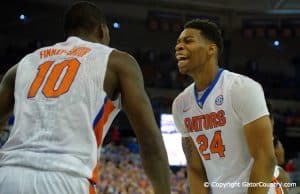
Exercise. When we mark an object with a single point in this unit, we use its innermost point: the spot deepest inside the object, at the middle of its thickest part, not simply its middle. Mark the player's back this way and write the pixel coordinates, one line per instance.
(61, 110)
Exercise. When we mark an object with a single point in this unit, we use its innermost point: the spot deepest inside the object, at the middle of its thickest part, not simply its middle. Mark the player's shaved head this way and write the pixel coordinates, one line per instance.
(83, 18)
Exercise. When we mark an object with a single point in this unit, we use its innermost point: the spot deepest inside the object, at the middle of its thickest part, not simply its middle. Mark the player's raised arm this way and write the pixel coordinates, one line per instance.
(129, 80)
(7, 94)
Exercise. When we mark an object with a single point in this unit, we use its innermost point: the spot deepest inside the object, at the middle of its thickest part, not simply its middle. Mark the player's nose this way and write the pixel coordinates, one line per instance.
(179, 46)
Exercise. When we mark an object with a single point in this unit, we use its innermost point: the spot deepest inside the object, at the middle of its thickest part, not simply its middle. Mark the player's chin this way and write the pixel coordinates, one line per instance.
(182, 68)
(183, 71)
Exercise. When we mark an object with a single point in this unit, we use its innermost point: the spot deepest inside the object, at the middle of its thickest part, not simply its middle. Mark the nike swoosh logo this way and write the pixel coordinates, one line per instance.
(186, 109)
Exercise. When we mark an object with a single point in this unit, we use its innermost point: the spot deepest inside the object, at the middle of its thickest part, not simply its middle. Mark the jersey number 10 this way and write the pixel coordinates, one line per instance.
(50, 88)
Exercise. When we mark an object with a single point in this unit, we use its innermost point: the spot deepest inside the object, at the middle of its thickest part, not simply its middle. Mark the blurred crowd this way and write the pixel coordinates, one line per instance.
(121, 172)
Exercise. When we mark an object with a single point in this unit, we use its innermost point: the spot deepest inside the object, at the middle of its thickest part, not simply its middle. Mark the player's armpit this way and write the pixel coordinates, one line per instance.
(258, 134)
(196, 171)
(7, 87)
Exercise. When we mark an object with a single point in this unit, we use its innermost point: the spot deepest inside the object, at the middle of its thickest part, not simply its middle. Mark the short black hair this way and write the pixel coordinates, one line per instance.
(83, 17)
(209, 30)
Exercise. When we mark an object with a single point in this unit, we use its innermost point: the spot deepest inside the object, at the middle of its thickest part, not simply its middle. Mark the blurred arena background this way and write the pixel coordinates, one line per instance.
(262, 40)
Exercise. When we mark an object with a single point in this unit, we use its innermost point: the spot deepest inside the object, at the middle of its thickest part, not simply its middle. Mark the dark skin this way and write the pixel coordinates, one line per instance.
(195, 169)
(7, 95)
(198, 57)
(123, 77)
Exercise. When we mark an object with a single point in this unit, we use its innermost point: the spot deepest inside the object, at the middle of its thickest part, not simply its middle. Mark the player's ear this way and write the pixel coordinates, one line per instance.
(103, 34)
(99, 32)
(212, 49)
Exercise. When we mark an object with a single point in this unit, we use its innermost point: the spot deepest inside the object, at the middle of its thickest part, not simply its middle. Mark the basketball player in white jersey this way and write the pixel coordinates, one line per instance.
(223, 118)
(65, 97)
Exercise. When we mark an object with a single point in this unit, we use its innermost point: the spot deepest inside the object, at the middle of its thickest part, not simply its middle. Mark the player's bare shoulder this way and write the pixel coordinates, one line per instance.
(9, 77)
(121, 68)
(119, 58)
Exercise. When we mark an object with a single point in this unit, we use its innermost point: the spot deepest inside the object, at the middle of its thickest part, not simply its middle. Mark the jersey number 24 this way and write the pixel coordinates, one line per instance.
(216, 145)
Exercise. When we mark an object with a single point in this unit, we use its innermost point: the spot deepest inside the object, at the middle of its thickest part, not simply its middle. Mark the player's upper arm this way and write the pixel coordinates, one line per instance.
(7, 87)
(258, 134)
(130, 83)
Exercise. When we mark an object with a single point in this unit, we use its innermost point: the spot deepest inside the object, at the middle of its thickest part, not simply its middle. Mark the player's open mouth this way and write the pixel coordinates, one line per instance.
(181, 58)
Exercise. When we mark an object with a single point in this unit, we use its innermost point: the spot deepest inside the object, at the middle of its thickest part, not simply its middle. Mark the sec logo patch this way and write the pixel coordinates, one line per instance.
(219, 100)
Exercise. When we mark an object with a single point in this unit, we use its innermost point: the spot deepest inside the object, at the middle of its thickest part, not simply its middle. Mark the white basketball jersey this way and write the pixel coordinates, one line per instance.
(61, 110)
(215, 123)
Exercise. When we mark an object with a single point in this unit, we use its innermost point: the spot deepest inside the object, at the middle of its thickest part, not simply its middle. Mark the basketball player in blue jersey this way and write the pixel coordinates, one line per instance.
(223, 119)
(64, 98)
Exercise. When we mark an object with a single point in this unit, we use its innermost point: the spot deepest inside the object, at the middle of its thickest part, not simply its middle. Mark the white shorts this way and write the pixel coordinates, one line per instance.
(20, 180)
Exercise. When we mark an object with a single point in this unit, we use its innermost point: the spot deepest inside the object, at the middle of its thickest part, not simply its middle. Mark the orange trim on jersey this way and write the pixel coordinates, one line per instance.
(278, 189)
(98, 130)
(108, 108)
(95, 177)
(92, 190)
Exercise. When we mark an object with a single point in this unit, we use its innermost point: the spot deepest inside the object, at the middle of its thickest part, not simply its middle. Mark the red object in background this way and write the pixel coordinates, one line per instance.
(290, 166)
(115, 134)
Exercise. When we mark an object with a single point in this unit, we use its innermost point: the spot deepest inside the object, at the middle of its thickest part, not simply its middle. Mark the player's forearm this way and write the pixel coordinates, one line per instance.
(155, 163)
(262, 172)
(197, 183)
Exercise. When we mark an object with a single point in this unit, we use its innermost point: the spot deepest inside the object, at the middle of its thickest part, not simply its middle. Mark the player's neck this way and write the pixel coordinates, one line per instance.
(86, 37)
(205, 76)
(89, 38)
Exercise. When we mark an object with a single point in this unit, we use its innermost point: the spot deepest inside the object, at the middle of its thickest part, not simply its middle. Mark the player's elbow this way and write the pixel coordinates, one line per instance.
(267, 160)
(271, 162)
